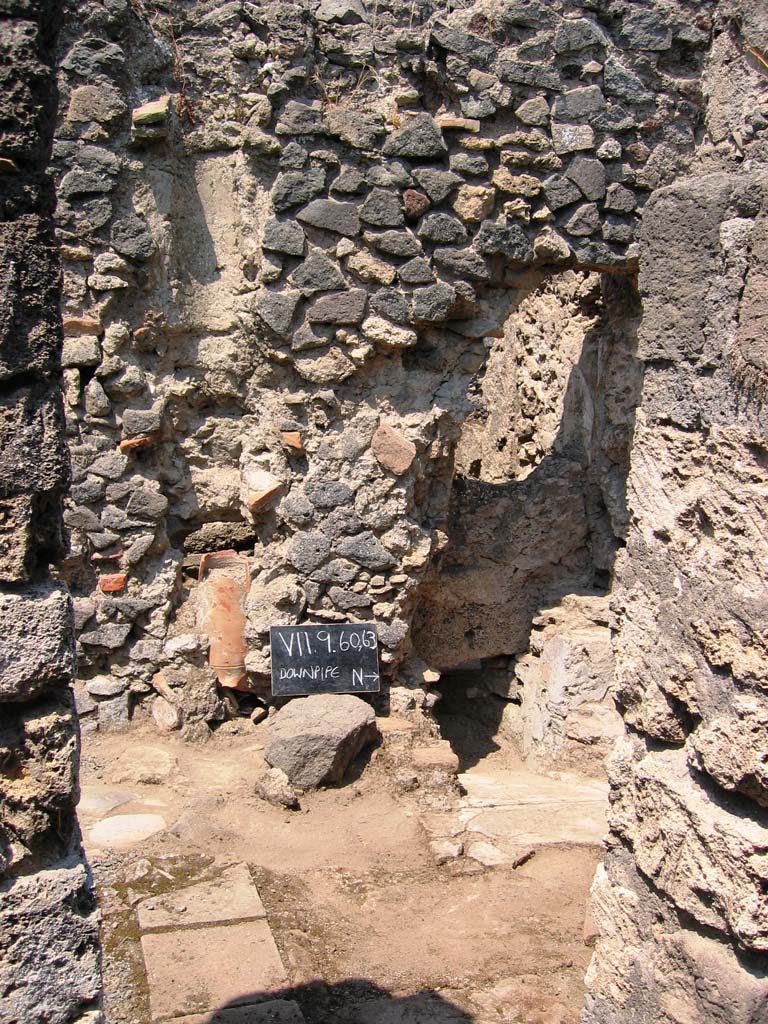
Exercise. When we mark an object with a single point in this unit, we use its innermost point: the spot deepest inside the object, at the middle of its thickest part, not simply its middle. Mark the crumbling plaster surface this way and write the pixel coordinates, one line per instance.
(49, 967)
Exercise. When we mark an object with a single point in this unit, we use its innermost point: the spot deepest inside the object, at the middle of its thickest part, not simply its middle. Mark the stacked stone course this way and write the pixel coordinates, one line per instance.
(286, 222)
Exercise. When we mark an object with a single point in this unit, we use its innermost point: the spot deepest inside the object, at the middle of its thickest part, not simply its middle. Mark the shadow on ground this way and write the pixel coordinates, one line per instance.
(353, 1001)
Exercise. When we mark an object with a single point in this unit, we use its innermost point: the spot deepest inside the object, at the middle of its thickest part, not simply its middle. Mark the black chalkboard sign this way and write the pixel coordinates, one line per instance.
(324, 659)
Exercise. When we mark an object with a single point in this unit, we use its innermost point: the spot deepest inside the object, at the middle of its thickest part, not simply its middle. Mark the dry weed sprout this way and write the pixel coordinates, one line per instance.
(336, 94)
(761, 57)
(161, 24)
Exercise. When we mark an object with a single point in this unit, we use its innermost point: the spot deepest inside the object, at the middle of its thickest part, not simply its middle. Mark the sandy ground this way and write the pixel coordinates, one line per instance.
(366, 922)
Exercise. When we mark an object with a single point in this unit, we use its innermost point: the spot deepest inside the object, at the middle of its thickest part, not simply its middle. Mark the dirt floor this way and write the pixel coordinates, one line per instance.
(370, 927)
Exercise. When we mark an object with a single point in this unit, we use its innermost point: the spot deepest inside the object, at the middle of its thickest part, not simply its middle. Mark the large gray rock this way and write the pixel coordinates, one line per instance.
(49, 967)
(37, 649)
(314, 739)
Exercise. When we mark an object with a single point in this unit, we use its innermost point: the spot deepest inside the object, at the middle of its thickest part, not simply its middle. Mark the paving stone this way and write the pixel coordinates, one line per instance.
(230, 897)
(198, 969)
(122, 831)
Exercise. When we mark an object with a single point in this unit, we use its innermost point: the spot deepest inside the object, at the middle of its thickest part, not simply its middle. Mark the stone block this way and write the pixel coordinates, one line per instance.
(231, 896)
(37, 648)
(49, 945)
(315, 739)
(181, 977)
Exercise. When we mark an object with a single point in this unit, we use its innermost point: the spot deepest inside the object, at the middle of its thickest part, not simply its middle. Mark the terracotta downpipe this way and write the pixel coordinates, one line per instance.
(224, 582)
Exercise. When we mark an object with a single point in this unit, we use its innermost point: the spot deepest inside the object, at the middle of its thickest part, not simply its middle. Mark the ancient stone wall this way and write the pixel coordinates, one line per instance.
(48, 929)
(680, 900)
(290, 237)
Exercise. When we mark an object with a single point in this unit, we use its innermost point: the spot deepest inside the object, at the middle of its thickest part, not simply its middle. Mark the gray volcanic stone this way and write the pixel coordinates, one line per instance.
(620, 81)
(339, 308)
(294, 188)
(147, 504)
(49, 929)
(284, 236)
(318, 273)
(276, 309)
(416, 271)
(309, 550)
(589, 175)
(109, 634)
(293, 157)
(419, 139)
(137, 422)
(528, 74)
(349, 181)
(306, 337)
(330, 215)
(476, 50)
(578, 35)
(433, 304)
(463, 263)
(437, 184)
(585, 220)
(442, 228)
(560, 191)
(36, 651)
(391, 303)
(388, 175)
(130, 237)
(315, 739)
(644, 30)
(300, 119)
(367, 550)
(348, 599)
(397, 243)
(504, 239)
(578, 103)
(468, 163)
(326, 494)
(343, 12)
(383, 209)
(617, 229)
(620, 199)
(91, 57)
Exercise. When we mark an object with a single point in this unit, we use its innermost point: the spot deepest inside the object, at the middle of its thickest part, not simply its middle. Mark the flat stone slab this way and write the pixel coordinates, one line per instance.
(230, 897)
(98, 800)
(197, 970)
(122, 831)
(517, 809)
(276, 1011)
